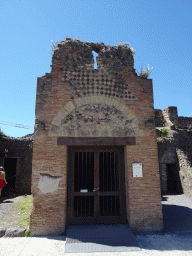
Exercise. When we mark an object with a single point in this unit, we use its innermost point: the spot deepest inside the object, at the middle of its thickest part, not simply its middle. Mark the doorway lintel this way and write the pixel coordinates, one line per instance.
(96, 141)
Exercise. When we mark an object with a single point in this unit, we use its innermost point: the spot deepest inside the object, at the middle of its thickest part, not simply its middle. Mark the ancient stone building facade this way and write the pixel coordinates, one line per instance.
(95, 156)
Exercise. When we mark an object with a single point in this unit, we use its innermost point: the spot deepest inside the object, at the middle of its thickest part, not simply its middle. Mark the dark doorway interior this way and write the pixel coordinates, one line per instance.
(173, 179)
(10, 172)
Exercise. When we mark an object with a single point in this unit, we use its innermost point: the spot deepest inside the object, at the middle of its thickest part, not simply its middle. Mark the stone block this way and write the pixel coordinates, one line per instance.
(15, 232)
(69, 106)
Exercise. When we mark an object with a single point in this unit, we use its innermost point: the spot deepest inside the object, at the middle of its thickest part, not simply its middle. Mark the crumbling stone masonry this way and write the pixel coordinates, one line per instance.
(174, 151)
(77, 105)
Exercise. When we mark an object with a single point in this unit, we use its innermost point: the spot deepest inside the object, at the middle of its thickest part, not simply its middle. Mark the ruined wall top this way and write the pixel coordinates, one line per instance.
(75, 54)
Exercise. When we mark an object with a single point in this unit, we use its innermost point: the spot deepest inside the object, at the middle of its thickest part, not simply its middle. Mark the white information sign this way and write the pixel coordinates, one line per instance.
(137, 170)
(84, 190)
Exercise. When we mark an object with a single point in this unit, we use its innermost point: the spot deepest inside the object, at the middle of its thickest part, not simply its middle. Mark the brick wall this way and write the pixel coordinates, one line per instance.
(75, 100)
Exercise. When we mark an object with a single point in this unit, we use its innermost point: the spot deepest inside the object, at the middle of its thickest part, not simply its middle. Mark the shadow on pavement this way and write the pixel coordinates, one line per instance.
(177, 234)
(177, 218)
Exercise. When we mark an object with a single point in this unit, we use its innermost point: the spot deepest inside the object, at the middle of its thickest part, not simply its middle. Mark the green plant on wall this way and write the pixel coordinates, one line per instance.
(146, 72)
(175, 127)
(31, 147)
(6, 151)
(164, 132)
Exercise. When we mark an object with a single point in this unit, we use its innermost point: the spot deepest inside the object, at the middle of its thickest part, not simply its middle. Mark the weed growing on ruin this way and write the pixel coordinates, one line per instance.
(53, 45)
(6, 151)
(2, 134)
(27, 234)
(127, 46)
(164, 132)
(31, 146)
(146, 72)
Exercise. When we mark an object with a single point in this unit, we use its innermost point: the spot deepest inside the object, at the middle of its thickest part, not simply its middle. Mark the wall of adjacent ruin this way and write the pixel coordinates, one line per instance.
(185, 171)
(184, 122)
(20, 148)
(159, 119)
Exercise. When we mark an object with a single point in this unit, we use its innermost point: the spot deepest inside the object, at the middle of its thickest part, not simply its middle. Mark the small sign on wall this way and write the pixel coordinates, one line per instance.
(137, 170)
(84, 190)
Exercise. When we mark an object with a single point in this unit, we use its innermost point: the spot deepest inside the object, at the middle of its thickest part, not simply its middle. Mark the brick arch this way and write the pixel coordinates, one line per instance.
(94, 117)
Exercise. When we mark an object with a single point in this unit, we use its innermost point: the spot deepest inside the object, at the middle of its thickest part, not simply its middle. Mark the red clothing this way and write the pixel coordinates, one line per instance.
(2, 183)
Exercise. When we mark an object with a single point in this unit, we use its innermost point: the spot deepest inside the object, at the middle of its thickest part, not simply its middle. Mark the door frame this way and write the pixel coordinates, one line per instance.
(71, 219)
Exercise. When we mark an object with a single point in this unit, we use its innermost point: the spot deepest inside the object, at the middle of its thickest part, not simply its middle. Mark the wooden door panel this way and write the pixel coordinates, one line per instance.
(94, 190)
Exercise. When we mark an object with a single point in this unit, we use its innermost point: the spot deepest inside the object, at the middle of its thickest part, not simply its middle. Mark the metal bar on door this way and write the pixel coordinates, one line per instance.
(103, 179)
(111, 178)
(115, 179)
(107, 182)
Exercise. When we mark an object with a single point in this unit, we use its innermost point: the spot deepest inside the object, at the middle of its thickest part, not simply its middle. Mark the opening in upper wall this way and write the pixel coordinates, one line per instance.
(95, 61)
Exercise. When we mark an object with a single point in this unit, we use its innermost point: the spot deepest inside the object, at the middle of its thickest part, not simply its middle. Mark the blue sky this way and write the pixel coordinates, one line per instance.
(159, 31)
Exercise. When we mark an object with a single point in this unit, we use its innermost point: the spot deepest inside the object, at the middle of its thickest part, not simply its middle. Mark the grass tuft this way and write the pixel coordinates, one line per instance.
(23, 210)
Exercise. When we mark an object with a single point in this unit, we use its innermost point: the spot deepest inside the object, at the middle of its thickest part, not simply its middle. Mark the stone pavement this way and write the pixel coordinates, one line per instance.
(176, 240)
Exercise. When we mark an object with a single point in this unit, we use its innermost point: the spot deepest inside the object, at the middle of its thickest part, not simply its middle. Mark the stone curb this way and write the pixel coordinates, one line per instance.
(13, 232)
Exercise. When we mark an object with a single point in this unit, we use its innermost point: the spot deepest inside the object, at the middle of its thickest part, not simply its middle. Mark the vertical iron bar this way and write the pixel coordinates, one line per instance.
(115, 180)
(86, 183)
(107, 204)
(78, 153)
(82, 172)
(81, 181)
(111, 205)
(74, 173)
(107, 174)
(89, 205)
(103, 189)
(107, 184)
(110, 171)
(110, 176)
(114, 171)
(100, 171)
(81, 205)
(93, 169)
(89, 171)
(103, 179)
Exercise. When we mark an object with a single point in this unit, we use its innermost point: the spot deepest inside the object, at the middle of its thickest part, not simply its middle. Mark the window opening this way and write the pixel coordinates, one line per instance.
(95, 61)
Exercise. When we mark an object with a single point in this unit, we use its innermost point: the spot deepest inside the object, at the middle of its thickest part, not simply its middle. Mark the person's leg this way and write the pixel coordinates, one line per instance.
(0, 191)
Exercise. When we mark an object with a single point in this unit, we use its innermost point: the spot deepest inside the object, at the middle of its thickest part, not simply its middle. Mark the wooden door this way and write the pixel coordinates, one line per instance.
(96, 191)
